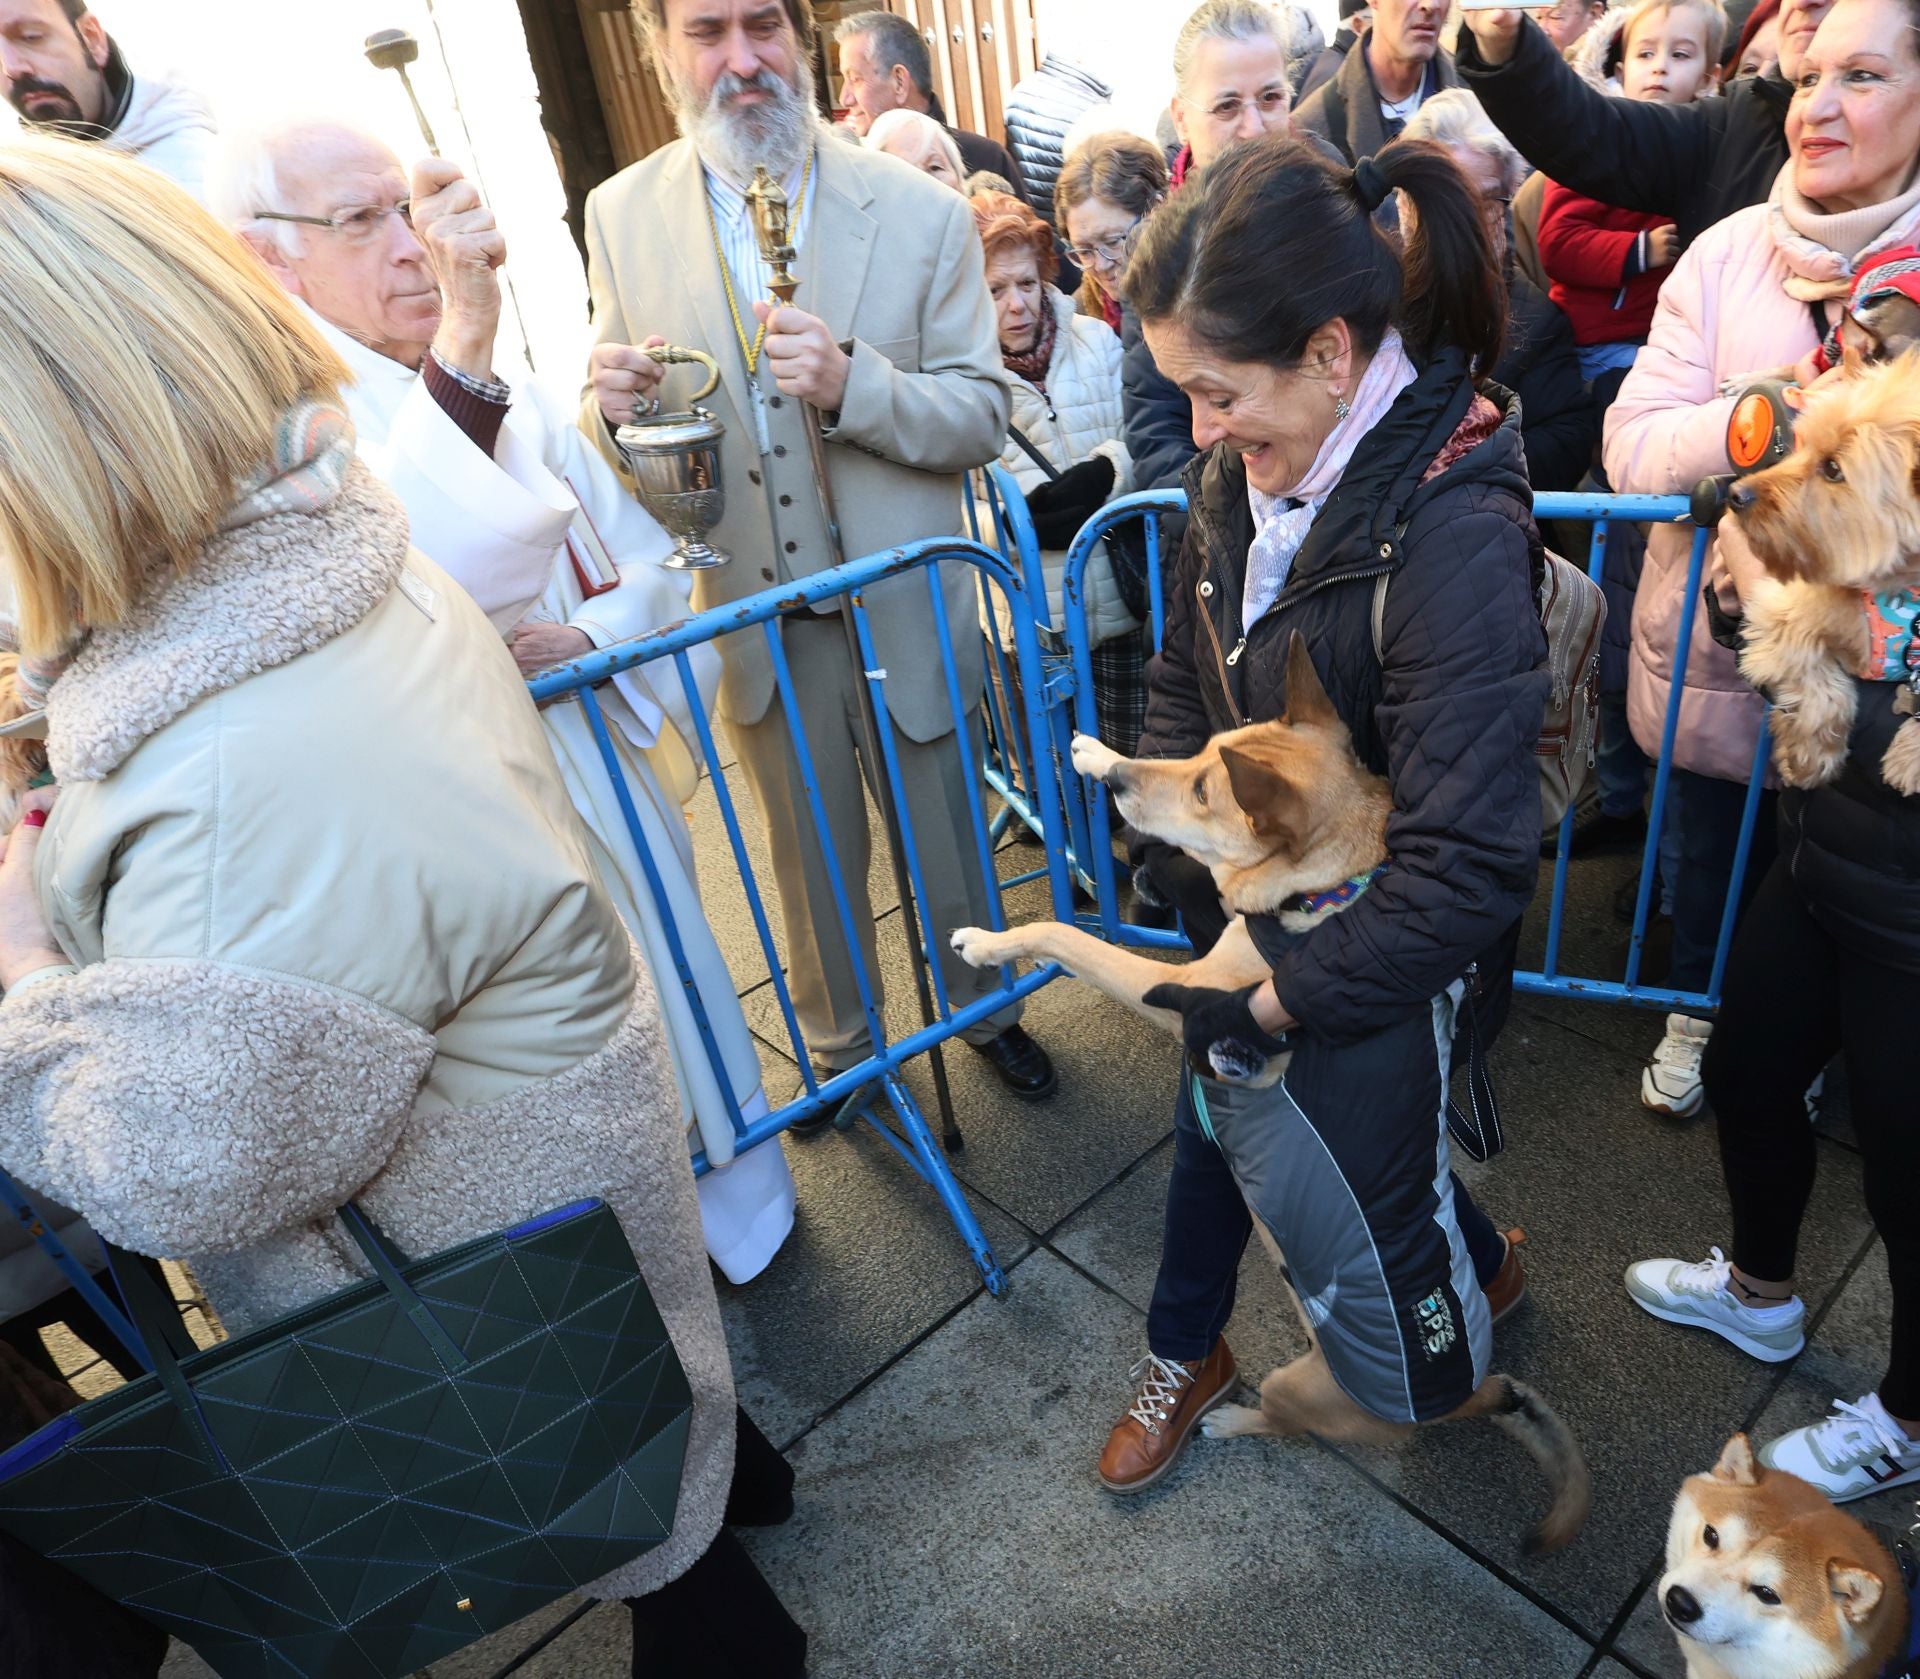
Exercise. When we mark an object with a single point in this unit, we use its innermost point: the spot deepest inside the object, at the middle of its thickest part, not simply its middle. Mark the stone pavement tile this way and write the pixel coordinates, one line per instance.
(873, 1262)
(1597, 1183)
(1038, 1160)
(949, 1523)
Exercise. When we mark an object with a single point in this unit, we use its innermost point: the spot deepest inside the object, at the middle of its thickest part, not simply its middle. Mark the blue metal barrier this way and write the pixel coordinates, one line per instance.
(915, 1141)
(1601, 512)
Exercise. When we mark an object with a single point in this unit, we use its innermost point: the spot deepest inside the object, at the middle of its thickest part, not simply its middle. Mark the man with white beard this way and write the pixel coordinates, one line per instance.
(893, 342)
(506, 496)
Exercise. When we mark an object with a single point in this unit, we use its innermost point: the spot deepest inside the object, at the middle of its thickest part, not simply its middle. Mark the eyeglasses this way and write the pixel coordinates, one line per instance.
(357, 227)
(1108, 248)
(1272, 102)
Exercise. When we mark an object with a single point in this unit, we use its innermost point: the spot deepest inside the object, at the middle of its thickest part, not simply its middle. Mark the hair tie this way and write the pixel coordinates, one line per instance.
(1370, 184)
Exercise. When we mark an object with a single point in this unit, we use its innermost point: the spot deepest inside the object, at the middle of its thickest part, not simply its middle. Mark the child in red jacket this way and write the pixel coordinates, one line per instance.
(1606, 264)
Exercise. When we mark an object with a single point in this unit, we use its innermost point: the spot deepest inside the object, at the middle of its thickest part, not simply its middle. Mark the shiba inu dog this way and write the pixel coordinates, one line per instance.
(1767, 1580)
(1836, 524)
(1285, 815)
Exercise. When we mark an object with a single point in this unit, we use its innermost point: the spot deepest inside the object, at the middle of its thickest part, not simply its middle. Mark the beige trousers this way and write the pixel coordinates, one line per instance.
(934, 775)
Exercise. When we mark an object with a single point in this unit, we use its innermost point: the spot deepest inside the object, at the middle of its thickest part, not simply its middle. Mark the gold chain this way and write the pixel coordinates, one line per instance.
(751, 350)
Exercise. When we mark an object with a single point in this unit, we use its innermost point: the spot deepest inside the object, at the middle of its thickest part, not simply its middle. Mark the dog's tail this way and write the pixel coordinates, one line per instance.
(1533, 1422)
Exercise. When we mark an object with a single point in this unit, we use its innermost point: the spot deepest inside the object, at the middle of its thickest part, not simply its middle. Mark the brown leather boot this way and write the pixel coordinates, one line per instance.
(1508, 1290)
(1169, 1399)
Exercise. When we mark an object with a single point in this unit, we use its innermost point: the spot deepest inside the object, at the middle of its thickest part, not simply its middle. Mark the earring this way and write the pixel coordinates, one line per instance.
(1341, 408)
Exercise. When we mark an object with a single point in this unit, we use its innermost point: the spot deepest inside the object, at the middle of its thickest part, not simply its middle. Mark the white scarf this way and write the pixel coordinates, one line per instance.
(1281, 522)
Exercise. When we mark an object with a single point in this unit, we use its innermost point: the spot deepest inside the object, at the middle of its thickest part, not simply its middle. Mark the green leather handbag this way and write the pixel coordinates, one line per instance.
(371, 1483)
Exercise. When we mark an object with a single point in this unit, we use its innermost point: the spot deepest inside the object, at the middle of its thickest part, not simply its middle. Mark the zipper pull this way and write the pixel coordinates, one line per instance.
(1239, 647)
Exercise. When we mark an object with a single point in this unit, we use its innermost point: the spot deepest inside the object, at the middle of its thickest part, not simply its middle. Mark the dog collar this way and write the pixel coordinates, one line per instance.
(1337, 897)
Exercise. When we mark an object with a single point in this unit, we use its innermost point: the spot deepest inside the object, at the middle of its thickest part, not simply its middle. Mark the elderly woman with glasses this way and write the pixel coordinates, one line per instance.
(1107, 186)
(1064, 446)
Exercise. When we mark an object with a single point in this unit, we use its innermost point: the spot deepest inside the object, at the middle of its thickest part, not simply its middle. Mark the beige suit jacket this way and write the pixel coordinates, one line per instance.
(892, 264)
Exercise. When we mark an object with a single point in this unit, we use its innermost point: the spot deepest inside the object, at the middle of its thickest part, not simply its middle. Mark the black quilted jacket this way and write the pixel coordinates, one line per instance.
(1450, 718)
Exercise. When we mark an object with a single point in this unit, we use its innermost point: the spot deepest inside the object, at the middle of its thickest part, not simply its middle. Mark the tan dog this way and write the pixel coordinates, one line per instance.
(1274, 810)
(1837, 519)
(1767, 1580)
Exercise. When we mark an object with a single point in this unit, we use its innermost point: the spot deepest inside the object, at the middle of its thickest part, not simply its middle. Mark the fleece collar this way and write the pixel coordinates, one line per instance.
(253, 598)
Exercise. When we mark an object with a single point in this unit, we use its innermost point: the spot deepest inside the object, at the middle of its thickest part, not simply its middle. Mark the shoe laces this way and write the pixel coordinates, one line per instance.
(1858, 1430)
(1704, 1276)
(1681, 1053)
(1159, 1381)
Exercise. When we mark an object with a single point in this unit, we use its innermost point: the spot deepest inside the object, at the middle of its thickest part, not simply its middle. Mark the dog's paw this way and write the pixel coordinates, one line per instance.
(1223, 1422)
(979, 948)
(1093, 758)
(1900, 768)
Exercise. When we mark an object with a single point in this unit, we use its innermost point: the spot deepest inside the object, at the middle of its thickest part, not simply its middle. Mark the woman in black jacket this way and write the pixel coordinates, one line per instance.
(1346, 451)
(1697, 163)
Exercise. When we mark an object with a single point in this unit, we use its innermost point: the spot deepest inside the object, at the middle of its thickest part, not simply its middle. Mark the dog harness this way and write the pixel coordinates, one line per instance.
(1893, 638)
(1338, 897)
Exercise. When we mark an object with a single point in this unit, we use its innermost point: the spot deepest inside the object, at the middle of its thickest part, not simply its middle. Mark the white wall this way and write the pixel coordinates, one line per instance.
(261, 58)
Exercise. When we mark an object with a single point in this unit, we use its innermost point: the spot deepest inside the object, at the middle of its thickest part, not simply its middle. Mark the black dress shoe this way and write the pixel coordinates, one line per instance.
(1024, 1067)
(1595, 833)
(814, 1124)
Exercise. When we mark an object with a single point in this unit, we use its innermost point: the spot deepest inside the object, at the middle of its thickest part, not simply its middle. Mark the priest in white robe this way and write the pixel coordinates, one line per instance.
(505, 494)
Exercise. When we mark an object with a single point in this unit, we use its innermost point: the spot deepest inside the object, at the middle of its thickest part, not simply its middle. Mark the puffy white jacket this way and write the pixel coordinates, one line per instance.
(1077, 417)
(169, 127)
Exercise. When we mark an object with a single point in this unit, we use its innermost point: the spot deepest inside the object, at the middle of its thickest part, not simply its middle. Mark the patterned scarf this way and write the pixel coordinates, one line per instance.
(1032, 364)
(312, 446)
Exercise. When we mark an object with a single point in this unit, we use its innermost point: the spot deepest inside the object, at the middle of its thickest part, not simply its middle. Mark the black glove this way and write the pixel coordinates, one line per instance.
(1062, 505)
(1173, 878)
(1223, 1039)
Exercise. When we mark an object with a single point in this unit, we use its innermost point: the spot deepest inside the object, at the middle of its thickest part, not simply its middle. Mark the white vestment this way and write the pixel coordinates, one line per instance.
(499, 528)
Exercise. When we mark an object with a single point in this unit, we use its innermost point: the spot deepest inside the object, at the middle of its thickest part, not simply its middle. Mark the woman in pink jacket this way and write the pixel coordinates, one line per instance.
(1828, 959)
(1754, 292)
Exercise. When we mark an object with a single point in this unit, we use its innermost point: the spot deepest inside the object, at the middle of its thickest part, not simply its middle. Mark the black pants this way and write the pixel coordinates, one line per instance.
(720, 1619)
(1793, 999)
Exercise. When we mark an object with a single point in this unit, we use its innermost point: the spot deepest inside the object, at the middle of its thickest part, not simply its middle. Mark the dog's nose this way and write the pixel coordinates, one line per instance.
(1740, 497)
(1683, 1607)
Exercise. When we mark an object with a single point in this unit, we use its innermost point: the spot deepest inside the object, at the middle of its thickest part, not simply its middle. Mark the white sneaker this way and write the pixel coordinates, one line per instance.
(1856, 1451)
(1671, 1082)
(1697, 1295)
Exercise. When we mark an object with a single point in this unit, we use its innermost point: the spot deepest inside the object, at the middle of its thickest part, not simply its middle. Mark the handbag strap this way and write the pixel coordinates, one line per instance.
(1026, 445)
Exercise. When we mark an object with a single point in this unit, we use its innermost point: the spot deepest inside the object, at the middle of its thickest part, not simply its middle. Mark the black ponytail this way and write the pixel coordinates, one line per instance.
(1273, 241)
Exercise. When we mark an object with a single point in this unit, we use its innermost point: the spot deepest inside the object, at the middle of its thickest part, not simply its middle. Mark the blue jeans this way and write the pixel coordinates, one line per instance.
(1624, 773)
(1206, 1231)
(1708, 812)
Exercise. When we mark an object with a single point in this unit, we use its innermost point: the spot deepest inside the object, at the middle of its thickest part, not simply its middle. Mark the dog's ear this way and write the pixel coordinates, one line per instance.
(1736, 1463)
(1307, 700)
(1275, 809)
(1856, 1590)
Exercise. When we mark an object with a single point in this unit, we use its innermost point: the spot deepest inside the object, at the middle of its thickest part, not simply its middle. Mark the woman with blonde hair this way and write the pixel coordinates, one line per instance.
(311, 873)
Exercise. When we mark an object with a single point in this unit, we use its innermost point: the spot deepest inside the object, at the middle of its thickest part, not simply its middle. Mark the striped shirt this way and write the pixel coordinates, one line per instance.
(740, 245)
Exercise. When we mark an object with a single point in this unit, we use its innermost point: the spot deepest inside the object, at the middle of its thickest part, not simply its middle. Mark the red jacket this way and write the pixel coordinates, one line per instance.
(1596, 256)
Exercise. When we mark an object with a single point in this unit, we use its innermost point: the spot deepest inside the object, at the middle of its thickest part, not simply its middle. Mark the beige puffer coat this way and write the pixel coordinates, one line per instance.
(339, 937)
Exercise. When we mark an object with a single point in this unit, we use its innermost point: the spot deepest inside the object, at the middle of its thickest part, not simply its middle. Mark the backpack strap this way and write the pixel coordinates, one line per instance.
(1027, 448)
